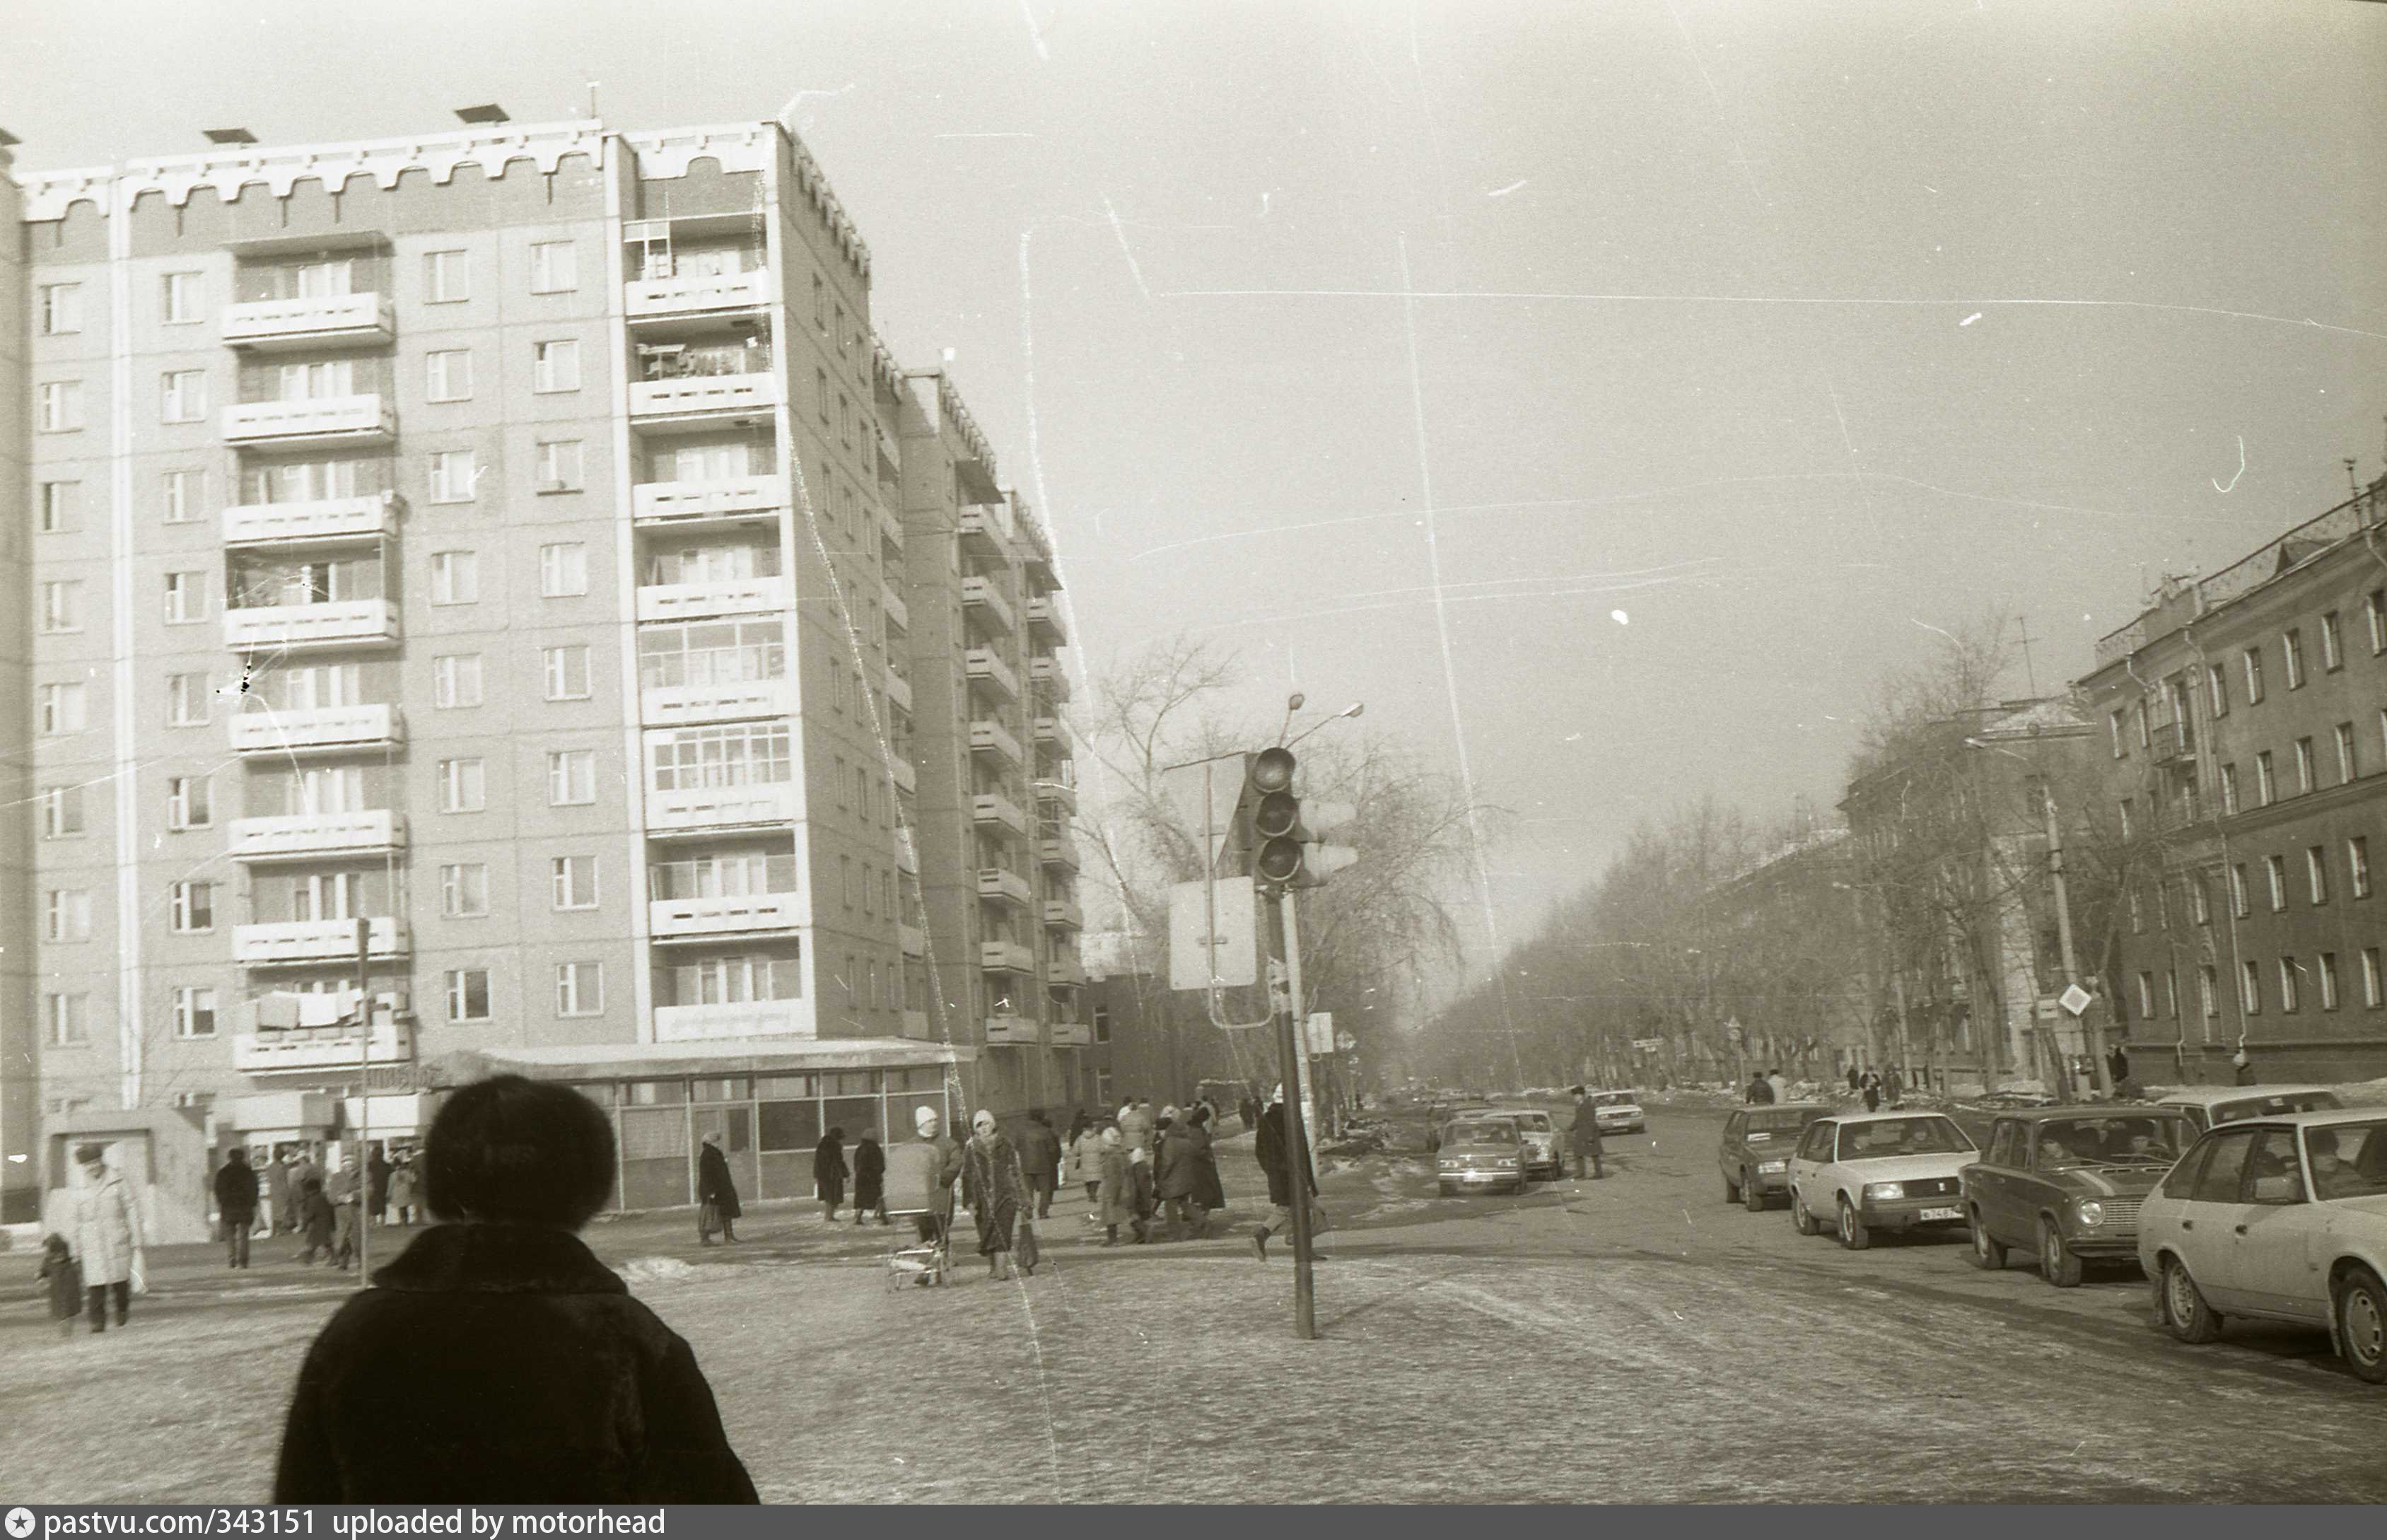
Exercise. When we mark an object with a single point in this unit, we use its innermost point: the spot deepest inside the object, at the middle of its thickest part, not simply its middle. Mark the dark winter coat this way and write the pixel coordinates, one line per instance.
(869, 1174)
(829, 1170)
(1181, 1162)
(1760, 1093)
(1207, 1190)
(377, 1172)
(1040, 1151)
(236, 1193)
(1271, 1147)
(712, 1183)
(503, 1364)
(315, 1217)
(1585, 1134)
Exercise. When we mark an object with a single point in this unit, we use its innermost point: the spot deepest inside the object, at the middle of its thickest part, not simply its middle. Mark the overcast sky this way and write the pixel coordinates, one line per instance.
(1715, 350)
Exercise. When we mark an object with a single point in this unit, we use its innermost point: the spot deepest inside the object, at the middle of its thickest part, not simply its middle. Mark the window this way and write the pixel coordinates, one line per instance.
(2208, 989)
(562, 570)
(2275, 867)
(2305, 767)
(2332, 643)
(2250, 988)
(464, 786)
(1102, 1024)
(559, 465)
(61, 308)
(2199, 899)
(2217, 688)
(2346, 765)
(845, 879)
(182, 396)
(2254, 676)
(2294, 642)
(194, 1011)
(455, 577)
(445, 281)
(571, 777)
(2316, 873)
(66, 914)
(2328, 980)
(188, 699)
(579, 989)
(59, 708)
(454, 478)
(2357, 864)
(747, 753)
(468, 994)
(2114, 731)
(576, 881)
(191, 907)
(456, 680)
(464, 890)
(62, 811)
(820, 302)
(61, 406)
(2138, 912)
(2266, 782)
(187, 804)
(2374, 610)
(55, 509)
(555, 366)
(820, 394)
(2370, 980)
(567, 672)
(2290, 994)
(554, 267)
(2146, 996)
(176, 495)
(2171, 993)
(69, 1018)
(2230, 790)
(2126, 818)
(447, 374)
(186, 598)
(2237, 891)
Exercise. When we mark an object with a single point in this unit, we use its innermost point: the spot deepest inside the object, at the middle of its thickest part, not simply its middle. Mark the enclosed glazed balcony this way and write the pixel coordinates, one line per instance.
(314, 836)
(1063, 914)
(267, 1053)
(696, 294)
(1005, 957)
(695, 502)
(983, 603)
(704, 398)
(743, 1018)
(1044, 620)
(1003, 886)
(983, 667)
(287, 941)
(1011, 1031)
(746, 596)
(1059, 852)
(321, 521)
(674, 705)
(722, 914)
(994, 809)
(350, 422)
(298, 627)
(705, 810)
(324, 730)
(325, 321)
(987, 737)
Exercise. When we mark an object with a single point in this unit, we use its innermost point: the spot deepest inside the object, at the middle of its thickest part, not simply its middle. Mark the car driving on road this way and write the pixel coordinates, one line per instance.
(1879, 1170)
(2065, 1184)
(1618, 1112)
(1544, 1149)
(2209, 1106)
(1479, 1153)
(1755, 1156)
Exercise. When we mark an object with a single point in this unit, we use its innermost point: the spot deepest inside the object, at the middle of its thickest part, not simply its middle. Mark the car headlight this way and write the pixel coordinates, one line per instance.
(1506, 1163)
(1448, 1165)
(1884, 1191)
(2091, 1212)
(1773, 1166)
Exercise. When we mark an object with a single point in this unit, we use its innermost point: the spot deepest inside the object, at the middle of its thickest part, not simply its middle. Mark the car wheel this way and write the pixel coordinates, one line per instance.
(2184, 1312)
(1752, 1192)
(2056, 1262)
(1988, 1255)
(2362, 1326)
(1801, 1221)
(1732, 1190)
(1853, 1234)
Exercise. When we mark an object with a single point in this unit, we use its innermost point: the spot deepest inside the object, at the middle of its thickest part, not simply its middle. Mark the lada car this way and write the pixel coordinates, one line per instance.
(2209, 1106)
(1480, 1153)
(1755, 1156)
(1618, 1112)
(2065, 1184)
(1545, 1145)
(1879, 1170)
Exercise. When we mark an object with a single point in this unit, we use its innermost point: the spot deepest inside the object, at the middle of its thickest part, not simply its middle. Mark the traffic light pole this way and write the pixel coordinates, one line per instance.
(1296, 1153)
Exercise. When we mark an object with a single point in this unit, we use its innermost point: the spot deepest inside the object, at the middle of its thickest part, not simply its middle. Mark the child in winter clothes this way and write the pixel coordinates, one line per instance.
(316, 1219)
(65, 1280)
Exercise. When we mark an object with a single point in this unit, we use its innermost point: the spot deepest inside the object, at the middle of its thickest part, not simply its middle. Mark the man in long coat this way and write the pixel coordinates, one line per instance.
(829, 1171)
(104, 1232)
(235, 1187)
(1272, 1146)
(1039, 1160)
(1585, 1135)
(716, 1196)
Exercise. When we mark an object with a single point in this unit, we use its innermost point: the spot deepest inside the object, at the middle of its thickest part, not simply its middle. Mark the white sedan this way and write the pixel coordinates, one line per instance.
(1879, 1170)
(2277, 1219)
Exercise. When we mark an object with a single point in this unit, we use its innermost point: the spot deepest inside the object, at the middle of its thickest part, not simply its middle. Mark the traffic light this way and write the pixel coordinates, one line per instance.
(1288, 830)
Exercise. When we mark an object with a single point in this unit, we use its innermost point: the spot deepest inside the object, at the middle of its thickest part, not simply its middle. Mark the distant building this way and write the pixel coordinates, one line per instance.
(1151, 1041)
(1795, 922)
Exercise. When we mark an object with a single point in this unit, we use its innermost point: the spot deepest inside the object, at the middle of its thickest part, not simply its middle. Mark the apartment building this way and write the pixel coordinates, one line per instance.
(475, 590)
(2244, 727)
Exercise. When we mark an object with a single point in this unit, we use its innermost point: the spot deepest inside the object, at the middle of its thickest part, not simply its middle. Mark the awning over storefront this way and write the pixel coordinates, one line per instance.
(658, 1060)
(292, 1115)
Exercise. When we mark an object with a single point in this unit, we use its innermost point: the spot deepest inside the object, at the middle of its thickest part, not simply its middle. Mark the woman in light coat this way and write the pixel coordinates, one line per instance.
(1115, 1188)
(104, 1228)
(1086, 1158)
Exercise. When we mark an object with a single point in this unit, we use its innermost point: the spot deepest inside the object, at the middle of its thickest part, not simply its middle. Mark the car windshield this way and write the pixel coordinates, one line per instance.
(1901, 1136)
(1485, 1133)
(1613, 1099)
(2348, 1160)
(2063, 1143)
(2272, 1106)
(1765, 1125)
(1534, 1122)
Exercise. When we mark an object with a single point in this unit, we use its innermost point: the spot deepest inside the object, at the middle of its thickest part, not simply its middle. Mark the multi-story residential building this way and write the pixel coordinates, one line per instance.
(1811, 994)
(2243, 720)
(498, 550)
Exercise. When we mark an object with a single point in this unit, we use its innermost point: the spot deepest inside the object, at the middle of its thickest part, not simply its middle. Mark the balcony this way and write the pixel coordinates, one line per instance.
(907, 858)
(317, 941)
(987, 737)
(329, 321)
(269, 1053)
(891, 530)
(677, 705)
(723, 915)
(743, 1018)
(2172, 741)
(907, 779)
(981, 602)
(316, 836)
(915, 1024)
(913, 940)
(696, 502)
(1065, 970)
(344, 421)
(1052, 730)
(897, 610)
(1006, 887)
(661, 601)
(697, 294)
(704, 398)
(1011, 1031)
(982, 665)
(1048, 674)
(1060, 852)
(322, 522)
(899, 689)
(979, 534)
(705, 810)
(1044, 622)
(994, 808)
(1060, 794)
(297, 627)
(1005, 957)
(325, 730)
(1063, 914)
(321, 1010)
(1072, 1034)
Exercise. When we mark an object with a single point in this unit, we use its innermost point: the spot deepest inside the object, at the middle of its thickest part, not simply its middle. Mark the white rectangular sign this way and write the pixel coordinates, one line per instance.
(1322, 1031)
(1200, 956)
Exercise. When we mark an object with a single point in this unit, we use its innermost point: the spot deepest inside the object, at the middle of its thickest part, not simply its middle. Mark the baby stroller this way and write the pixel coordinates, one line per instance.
(912, 1194)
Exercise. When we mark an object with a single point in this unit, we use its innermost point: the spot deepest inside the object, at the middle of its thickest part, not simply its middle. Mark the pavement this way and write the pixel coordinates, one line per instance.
(1631, 1339)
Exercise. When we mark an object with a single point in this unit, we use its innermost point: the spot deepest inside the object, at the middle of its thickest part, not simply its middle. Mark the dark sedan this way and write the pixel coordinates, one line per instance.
(1755, 1156)
(2066, 1183)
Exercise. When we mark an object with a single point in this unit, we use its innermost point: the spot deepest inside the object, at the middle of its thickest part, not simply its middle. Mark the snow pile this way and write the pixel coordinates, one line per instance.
(657, 1269)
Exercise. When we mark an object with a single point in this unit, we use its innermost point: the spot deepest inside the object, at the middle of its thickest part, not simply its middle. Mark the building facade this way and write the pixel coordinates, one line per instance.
(2242, 725)
(478, 598)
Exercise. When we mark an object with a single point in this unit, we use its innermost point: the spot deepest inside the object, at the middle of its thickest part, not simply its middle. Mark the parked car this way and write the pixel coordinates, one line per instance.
(2278, 1218)
(1545, 1145)
(2066, 1183)
(2209, 1106)
(1755, 1156)
(1477, 1154)
(1879, 1170)
(1618, 1112)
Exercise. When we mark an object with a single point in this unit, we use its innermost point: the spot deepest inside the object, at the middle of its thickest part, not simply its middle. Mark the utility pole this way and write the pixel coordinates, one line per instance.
(364, 1097)
(2093, 1032)
(1291, 1028)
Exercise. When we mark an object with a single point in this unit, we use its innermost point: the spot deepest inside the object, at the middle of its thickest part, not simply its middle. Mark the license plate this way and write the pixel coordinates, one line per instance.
(1931, 1214)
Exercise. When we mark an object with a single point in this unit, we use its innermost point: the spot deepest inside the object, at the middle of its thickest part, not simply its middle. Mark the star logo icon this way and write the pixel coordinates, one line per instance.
(20, 1523)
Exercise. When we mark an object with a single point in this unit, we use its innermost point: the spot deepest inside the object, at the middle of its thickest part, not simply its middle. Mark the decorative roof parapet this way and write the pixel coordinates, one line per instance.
(884, 371)
(957, 416)
(746, 148)
(1024, 519)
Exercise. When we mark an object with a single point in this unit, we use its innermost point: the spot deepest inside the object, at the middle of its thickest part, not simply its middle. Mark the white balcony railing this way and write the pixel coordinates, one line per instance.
(724, 915)
(1044, 619)
(694, 396)
(1061, 853)
(980, 600)
(694, 501)
(763, 806)
(316, 420)
(756, 1018)
(673, 705)
(1003, 1031)
(1052, 730)
(1060, 794)
(697, 293)
(996, 882)
(993, 808)
(913, 940)
(987, 737)
(319, 1010)
(268, 1051)
(305, 836)
(1063, 914)
(980, 536)
(271, 524)
(980, 664)
(316, 941)
(326, 728)
(693, 600)
(289, 628)
(348, 320)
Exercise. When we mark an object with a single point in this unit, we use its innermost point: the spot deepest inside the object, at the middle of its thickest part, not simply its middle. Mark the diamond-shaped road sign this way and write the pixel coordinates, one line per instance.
(2075, 1000)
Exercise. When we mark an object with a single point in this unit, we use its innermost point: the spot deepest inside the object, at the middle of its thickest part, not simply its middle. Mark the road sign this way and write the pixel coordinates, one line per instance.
(1197, 957)
(1205, 794)
(1322, 1031)
(1732, 1029)
(2075, 1000)
(1345, 1042)
(1648, 1046)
